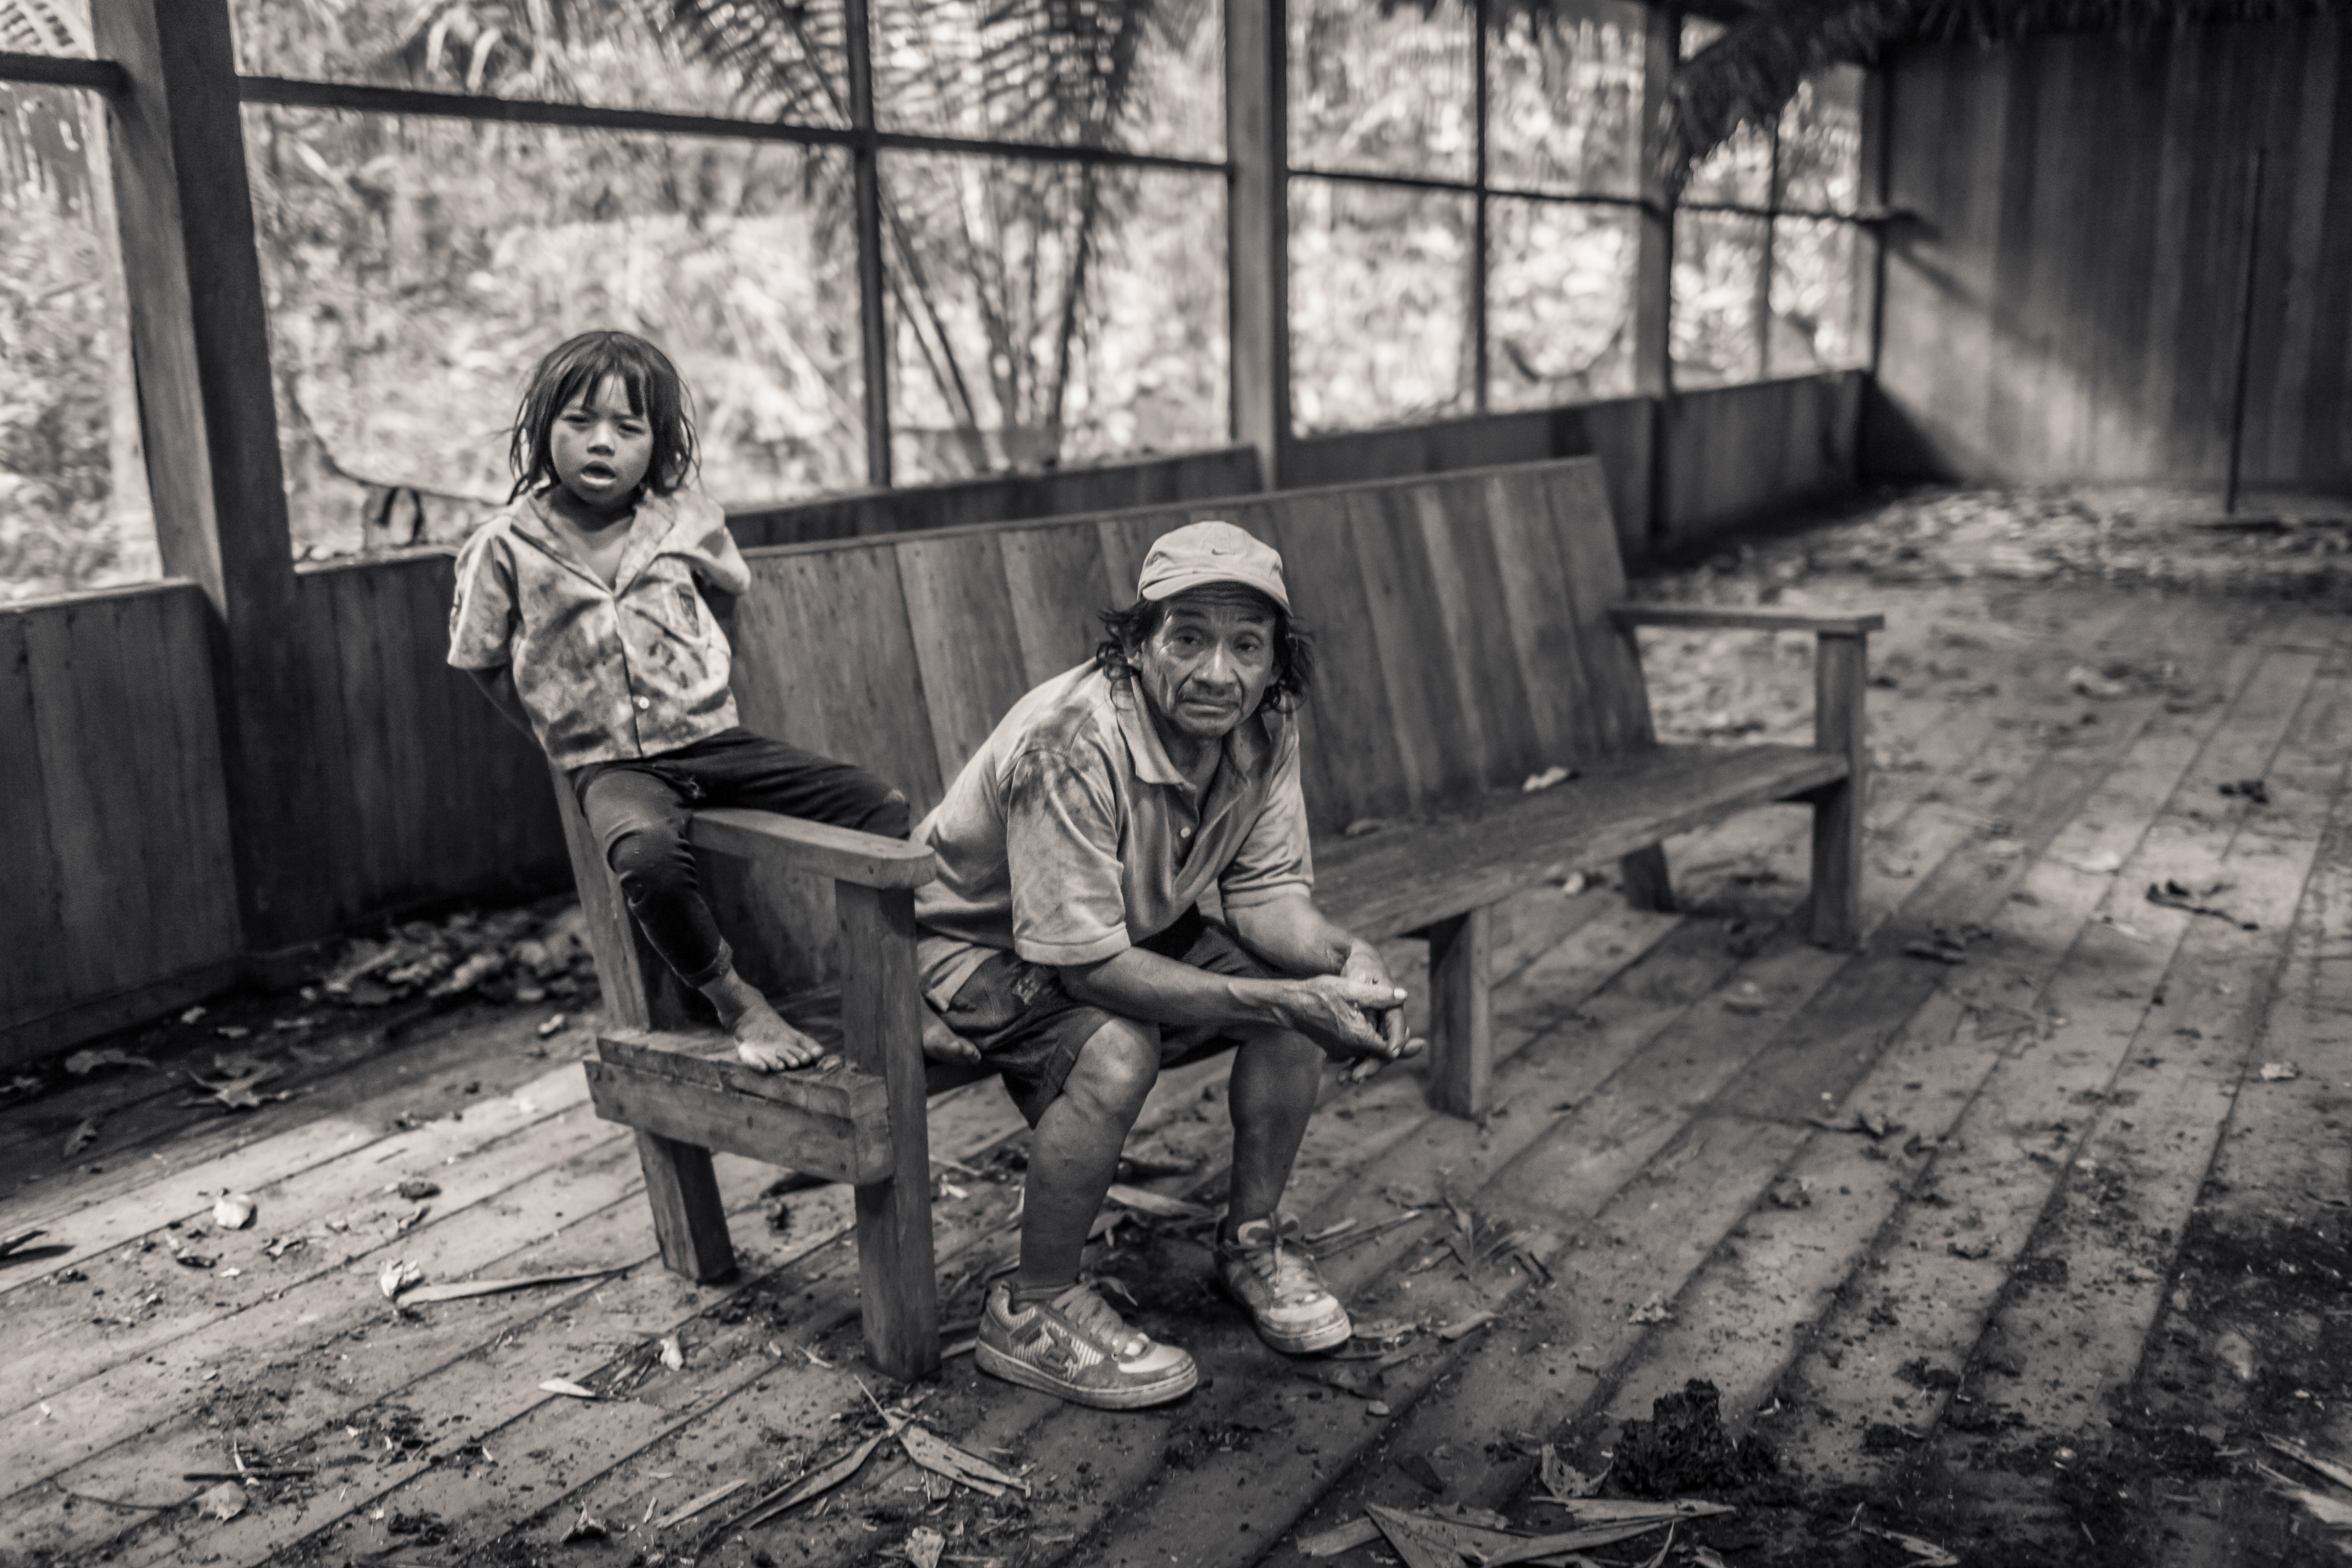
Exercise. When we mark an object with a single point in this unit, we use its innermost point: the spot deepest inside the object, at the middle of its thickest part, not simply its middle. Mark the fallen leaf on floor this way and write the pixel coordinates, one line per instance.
(82, 1137)
(554, 1026)
(2255, 790)
(397, 1275)
(936, 1454)
(1654, 1311)
(463, 1289)
(1343, 1538)
(684, 1512)
(812, 1485)
(1546, 779)
(2279, 1072)
(1563, 1480)
(565, 1386)
(192, 1014)
(2340, 1474)
(1974, 1251)
(585, 1529)
(1928, 1554)
(1470, 1324)
(232, 1211)
(417, 1191)
(1147, 1202)
(192, 1261)
(673, 1355)
(224, 1503)
(2089, 682)
(924, 1545)
(242, 1078)
(1937, 952)
(1430, 1541)
(1790, 1192)
(82, 1063)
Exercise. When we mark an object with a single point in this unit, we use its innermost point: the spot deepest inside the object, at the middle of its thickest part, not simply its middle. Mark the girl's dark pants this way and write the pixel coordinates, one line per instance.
(639, 811)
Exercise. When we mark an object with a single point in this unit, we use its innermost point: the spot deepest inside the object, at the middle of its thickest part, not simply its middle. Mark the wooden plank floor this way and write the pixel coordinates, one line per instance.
(1676, 1138)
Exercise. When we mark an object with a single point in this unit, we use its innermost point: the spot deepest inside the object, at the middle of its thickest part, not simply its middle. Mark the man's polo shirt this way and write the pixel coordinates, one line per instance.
(1069, 836)
(607, 674)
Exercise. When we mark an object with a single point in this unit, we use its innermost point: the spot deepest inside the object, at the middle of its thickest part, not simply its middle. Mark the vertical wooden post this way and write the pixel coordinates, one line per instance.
(1480, 226)
(1258, 229)
(1840, 682)
(200, 340)
(866, 173)
(1461, 1012)
(1877, 187)
(1654, 255)
(689, 1217)
(882, 1032)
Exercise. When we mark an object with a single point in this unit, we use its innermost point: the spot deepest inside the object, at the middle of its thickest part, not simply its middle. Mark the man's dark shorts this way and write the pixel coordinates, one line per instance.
(1030, 1030)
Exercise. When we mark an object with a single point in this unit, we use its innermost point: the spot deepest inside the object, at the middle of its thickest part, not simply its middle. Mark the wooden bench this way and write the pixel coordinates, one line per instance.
(1470, 631)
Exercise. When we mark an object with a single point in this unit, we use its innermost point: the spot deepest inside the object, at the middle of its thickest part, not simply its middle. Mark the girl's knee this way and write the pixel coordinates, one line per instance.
(650, 858)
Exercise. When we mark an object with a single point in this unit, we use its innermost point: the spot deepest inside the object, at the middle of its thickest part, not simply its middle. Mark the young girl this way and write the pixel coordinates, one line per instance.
(591, 611)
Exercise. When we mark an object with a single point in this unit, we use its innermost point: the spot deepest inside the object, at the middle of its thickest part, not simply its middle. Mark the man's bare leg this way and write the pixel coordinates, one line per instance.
(1276, 1076)
(763, 1038)
(1074, 1154)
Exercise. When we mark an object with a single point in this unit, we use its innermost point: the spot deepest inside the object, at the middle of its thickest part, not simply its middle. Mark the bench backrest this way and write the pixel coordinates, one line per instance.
(1462, 644)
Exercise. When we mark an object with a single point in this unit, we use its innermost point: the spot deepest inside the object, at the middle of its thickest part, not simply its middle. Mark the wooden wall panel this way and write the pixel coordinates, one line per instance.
(1736, 455)
(1619, 433)
(120, 890)
(1001, 498)
(2065, 300)
(431, 797)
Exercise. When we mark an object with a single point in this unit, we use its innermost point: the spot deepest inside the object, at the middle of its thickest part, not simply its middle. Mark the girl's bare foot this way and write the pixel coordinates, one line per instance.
(763, 1038)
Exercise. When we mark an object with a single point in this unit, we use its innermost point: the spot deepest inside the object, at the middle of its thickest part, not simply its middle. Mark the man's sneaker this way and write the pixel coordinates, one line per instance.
(1266, 1268)
(1076, 1346)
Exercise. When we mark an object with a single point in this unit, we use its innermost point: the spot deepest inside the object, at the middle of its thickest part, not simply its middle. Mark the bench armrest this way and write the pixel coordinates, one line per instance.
(794, 844)
(1736, 617)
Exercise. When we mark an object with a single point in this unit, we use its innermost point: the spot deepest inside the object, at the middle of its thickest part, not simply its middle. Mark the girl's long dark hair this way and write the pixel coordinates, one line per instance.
(1294, 646)
(577, 368)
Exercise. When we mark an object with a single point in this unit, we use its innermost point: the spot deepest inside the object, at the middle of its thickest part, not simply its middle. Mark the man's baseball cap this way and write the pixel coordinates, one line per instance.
(1199, 553)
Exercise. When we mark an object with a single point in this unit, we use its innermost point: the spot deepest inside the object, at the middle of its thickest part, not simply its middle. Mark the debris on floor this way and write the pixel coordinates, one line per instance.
(2173, 896)
(1683, 1447)
(223, 1502)
(512, 955)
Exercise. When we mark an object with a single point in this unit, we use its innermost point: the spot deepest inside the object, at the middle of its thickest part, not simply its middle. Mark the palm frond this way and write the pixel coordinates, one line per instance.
(43, 27)
(1747, 74)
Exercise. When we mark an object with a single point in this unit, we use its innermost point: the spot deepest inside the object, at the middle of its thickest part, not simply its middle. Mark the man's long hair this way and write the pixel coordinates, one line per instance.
(1294, 646)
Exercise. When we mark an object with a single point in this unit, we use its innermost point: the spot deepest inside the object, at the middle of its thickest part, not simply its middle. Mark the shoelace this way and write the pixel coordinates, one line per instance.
(1292, 1276)
(1089, 1311)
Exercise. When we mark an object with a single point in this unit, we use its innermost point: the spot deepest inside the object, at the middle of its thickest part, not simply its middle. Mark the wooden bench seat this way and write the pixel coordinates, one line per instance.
(1472, 631)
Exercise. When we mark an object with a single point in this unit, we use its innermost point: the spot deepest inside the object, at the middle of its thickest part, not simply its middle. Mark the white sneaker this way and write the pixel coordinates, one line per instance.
(1076, 1346)
(1267, 1267)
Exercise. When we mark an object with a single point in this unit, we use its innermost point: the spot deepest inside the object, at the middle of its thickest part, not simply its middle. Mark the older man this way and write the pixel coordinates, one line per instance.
(1066, 944)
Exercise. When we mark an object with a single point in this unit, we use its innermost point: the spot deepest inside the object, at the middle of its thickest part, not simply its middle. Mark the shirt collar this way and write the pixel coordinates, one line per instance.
(1246, 753)
(657, 517)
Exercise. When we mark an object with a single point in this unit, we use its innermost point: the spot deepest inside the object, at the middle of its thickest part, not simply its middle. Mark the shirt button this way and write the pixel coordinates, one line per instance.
(643, 703)
(1183, 833)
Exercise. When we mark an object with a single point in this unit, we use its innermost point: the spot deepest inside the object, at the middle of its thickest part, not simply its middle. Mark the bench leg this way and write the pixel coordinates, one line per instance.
(1840, 682)
(882, 1032)
(1461, 1012)
(1647, 885)
(689, 1220)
